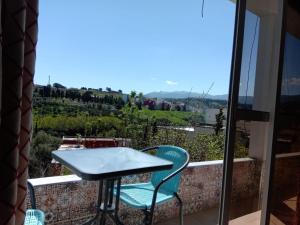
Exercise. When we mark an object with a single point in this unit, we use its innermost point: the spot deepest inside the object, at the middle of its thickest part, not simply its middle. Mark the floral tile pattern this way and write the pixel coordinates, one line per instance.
(74, 202)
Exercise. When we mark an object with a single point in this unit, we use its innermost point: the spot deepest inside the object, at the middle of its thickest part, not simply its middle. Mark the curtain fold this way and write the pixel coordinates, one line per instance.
(18, 43)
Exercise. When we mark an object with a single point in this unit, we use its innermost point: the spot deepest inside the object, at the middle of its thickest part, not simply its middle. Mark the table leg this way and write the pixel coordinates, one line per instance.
(116, 216)
(111, 192)
(105, 203)
(100, 193)
(99, 200)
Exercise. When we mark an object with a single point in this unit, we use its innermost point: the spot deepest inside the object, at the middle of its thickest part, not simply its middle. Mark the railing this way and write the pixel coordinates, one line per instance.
(68, 199)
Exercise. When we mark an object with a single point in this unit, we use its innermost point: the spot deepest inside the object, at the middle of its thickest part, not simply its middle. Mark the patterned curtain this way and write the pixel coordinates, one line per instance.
(18, 42)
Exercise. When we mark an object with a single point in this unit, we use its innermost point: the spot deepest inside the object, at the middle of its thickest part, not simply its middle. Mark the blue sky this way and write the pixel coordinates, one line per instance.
(142, 45)
(291, 67)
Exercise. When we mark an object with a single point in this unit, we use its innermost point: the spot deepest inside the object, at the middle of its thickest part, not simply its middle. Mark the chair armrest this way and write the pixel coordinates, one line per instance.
(174, 173)
(150, 148)
(168, 178)
(32, 195)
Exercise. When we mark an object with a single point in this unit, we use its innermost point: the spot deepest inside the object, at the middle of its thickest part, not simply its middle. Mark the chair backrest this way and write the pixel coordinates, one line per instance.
(179, 157)
(32, 195)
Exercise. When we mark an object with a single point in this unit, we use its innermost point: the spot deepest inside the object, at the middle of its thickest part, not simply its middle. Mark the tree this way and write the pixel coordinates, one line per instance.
(40, 155)
(119, 103)
(219, 121)
(108, 89)
(58, 85)
(154, 128)
(87, 96)
(177, 108)
(41, 92)
(73, 93)
(53, 93)
(132, 98)
(47, 91)
(140, 101)
(132, 94)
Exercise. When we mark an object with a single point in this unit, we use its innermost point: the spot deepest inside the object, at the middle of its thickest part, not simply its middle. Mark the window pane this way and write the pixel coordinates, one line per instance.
(246, 170)
(285, 189)
(249, 59)
(253, 129)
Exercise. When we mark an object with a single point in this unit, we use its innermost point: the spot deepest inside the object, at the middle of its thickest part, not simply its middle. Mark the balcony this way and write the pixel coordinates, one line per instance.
(70, 200)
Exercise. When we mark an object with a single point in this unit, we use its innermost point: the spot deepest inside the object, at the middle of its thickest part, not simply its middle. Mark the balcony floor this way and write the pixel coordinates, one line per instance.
(207, 217)
(210, 217)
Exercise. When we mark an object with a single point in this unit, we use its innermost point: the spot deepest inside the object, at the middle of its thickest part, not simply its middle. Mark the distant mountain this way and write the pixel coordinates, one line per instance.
(183, 94)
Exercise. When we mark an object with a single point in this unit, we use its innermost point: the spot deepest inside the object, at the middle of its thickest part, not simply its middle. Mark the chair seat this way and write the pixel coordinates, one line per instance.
(34, 217)
(140, 195)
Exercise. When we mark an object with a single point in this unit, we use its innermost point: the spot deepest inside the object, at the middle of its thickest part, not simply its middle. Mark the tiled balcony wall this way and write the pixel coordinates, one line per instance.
(70, 200)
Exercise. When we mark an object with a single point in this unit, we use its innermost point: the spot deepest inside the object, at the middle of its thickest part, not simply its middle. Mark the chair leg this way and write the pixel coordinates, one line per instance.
(181, 213)
(180, 208)
(148, 219)
(145, 220)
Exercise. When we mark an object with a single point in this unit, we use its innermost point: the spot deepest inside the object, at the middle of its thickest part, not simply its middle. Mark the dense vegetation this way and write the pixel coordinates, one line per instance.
(61, 116)
(40, 154)
(85, 112)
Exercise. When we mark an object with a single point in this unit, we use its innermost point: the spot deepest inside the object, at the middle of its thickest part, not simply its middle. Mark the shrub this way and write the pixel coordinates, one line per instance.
(40, 154)
(201, 147)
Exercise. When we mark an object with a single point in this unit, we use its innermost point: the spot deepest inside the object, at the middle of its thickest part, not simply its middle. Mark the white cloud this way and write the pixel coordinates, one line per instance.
(169, 82)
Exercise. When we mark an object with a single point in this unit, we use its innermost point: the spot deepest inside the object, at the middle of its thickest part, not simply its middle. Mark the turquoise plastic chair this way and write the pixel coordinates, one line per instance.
(162, 187)
(33, 216)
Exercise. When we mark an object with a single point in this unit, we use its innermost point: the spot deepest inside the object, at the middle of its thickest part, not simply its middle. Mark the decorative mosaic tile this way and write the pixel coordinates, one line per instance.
(74, 202)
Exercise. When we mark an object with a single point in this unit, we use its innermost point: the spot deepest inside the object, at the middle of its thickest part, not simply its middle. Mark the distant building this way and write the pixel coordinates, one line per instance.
(163, 105)
(150, 103)
(179, 107)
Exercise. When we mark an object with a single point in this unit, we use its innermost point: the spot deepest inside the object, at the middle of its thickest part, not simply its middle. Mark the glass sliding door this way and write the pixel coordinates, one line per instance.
(251, 111)
(284, 201)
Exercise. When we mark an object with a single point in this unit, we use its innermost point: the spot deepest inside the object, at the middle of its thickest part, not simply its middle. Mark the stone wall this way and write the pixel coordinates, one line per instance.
(70, 200)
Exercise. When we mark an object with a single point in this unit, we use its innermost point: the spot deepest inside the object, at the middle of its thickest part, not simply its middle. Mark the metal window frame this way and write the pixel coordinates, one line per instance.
(278, 93)
(0, 64)
(232, 111)
(235, 114)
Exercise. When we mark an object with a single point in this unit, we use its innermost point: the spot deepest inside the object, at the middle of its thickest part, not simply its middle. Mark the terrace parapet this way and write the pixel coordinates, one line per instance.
(70, 200)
